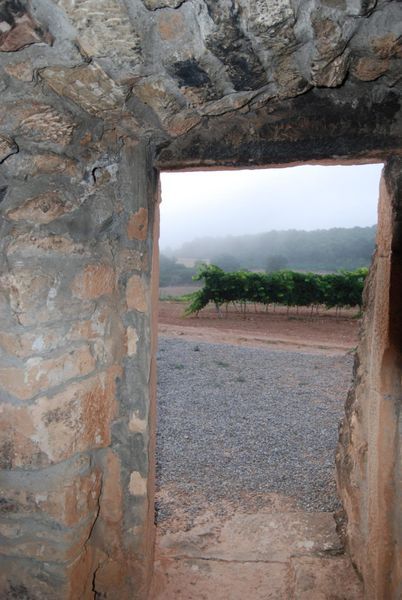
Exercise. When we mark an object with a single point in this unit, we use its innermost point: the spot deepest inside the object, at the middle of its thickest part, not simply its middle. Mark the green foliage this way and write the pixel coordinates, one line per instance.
(342, 289)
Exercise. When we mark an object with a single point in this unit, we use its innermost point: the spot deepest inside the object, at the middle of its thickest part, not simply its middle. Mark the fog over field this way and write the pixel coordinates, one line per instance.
(237, 202)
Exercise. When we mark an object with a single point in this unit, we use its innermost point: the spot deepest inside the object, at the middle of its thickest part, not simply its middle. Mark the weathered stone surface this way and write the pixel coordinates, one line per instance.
(138, 484)
(7, 148)
(331, 74)
(316, 577)
(136, 424)
(88, 86)
(156, 4)
(41, 209)
(172, 84)
(70, 496)
(30, 245)
(266, 15)
(94, 281)
(32, 343)
(387, 46)
(23, 165)
(18, 29)
(169, 108)
(104, 30)
(38, 122)
(137, 294)
(132, 339)
(366, 451)
(22, 71)
(234, 49)
(369, 69)
(41, 297)
(137, 226)
(41, 374)
(57, 427)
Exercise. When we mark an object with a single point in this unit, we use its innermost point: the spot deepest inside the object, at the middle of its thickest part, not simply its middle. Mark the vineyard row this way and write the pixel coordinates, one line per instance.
(289, 288)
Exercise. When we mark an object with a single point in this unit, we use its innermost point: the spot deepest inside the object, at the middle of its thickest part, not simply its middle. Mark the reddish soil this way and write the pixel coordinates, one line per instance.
(325, 332)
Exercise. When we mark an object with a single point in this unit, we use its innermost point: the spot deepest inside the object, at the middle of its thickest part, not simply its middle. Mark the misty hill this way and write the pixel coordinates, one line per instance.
(319, 250)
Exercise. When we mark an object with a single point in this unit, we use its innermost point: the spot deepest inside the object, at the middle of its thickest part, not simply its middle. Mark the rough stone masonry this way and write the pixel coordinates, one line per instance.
(96, 97)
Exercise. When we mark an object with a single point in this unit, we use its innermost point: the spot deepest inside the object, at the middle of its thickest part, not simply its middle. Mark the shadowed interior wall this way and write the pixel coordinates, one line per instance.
(95, 98)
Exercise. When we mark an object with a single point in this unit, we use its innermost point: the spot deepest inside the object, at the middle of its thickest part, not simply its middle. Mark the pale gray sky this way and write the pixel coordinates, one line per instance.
(218, 203)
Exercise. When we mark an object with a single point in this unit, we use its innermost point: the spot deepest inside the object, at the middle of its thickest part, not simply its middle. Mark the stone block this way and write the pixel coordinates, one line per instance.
(137, 294)
(56, 427)
(30, 245)
(104, 29)
(19, 29)
(132, 339)
(88, 86)
(52, 163)
(38, 122)
(138, 484)
(387, 46)
(316, 578)
(65, 497)
(41, 209)
(94, 281)
(42, 374)
(368, 68)
(157, 4)
(137, 227)
(25, 539)
(41, 295)
(33, 343)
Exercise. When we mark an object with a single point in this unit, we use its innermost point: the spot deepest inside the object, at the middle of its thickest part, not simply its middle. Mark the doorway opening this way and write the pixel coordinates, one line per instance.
(253, 381)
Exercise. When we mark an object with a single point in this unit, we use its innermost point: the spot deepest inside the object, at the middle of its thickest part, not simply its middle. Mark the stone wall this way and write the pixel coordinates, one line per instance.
(368, 458)
(96, 97)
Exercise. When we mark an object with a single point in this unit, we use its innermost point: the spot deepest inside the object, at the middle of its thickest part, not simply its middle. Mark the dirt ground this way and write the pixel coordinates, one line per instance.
(275, 552)
(325, 332)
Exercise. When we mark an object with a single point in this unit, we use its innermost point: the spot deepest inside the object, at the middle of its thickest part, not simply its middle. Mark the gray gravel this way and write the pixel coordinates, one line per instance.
(236, 421)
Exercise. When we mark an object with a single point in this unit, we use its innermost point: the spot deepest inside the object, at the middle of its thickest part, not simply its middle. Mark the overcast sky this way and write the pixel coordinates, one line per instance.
(217, 203)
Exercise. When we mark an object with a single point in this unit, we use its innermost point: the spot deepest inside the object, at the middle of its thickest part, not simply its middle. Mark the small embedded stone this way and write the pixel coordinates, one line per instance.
(370, 69)
(136, 424)
(332, 74)
(132, 339)
(138, 484)
(136, 294)
(137, 227)
(41, 209)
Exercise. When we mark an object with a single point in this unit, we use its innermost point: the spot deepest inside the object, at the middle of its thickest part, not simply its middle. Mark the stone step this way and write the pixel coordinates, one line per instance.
(319, 578)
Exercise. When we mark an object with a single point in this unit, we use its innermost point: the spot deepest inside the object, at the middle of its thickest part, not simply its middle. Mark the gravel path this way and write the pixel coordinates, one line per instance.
(236, 421)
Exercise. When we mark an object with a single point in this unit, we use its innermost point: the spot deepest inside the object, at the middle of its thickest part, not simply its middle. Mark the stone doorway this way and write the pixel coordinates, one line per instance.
(259, 544)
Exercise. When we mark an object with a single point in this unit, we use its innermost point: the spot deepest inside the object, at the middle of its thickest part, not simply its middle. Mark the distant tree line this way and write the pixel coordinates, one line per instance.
(173, 273)
(289, 288)
(320, 250)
